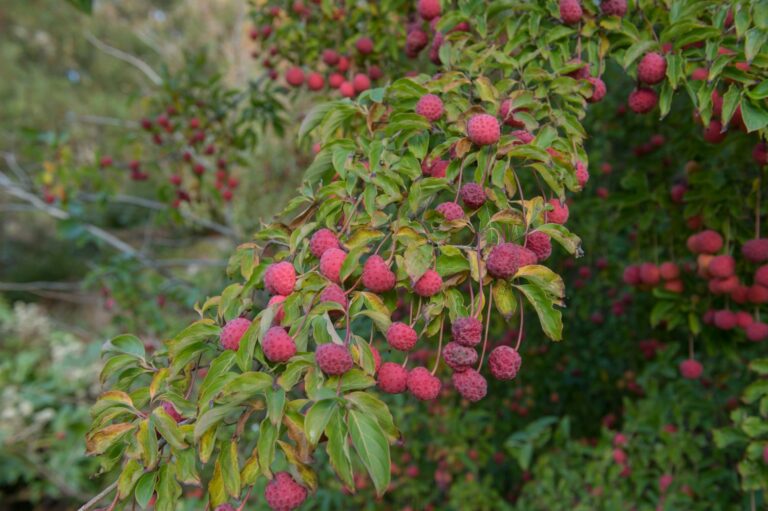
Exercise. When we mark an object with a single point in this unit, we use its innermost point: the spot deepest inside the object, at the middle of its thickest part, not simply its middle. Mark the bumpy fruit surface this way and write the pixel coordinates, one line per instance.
(582, 175)
(540, 244)
(722, 266)
(333, 359)
(571, 11)
(377, 276)
(643, 100)
(364, 45)
(559, 213)
(470, 384)
(321, 241)
(232, 332)
(614, 7)
(503, 260)
(280, 278)
(392, 378)
(756, 250)
(458, 357)
(422, 384)
(450, 210)
(333, 293)
(283, 493)
(691, 369)
(278, 345)
(508, 115)
(652, 68)
(429, 284)
(705, 242)
(401, 336)
(473, 195)
(279, 310)
(504, 362)
(599, 90)
(330, 264)
(757, 332)
(429, 9)
(430, 106)
(467, 331)
(483, 129)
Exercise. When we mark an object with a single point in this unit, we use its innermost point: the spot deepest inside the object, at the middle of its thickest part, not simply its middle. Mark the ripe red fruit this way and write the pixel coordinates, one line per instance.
(278, 345)
(375, 72)
(429, 9)
(614, 7)
(343, 64)
(571, 11)
(691, 369)
(429, 284)
(333, 293)
(294, 76)
(713, 132)
(423, 385)
(364, 45)
(744, 319)
(430, 106)
(508, 116)
(473, 195)
(504, 362)
(377, 276)
(416, 41)
(669, 270)
(330, 57)
(376, 358)
(649, 274)
(280, 278)
(232, 332)
(335, 80)
(321, 241)
(279, 311)
(450, 210)
(755, 250)
(483, 129)
(582, 175)
(315, 81)
(523, 136)
(619, 456)
(705, 242)
(599, 89)
(540, 244)
(330, 264)
(760, 153)
(333, 359)
(347, 90)
(361, 82)
(757, 332)
(458, 357)
(171, 410)
(758, 294)
(652, 68)
(761, 275)
(467, 331)
(725, 320)
(643, 100)
(559, 213)
(503, 260)
(470, 384)
(401, 336)
(722, 266)
(392, 378)
(283, 493)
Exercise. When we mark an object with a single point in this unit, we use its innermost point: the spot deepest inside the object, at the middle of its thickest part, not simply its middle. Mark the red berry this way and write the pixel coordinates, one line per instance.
(571, 11)
(232, 332)
(761, 275)
(333, 359)
(473, 195)
(361, 82)
(559, 213)
(343, 64)
(278, 345)
(503, 261)
(401, 336)
(429, 9)
(582, 175)
(423, 385)
(375, 72)
(705, 242)
(450, 210)
(722, 266)
(467, 331)
(294, 76)
(614, 7)
(458, 357)
(335, 80)
(508, 116)
(331, 262)
(483, 129)
(470, 384)
(364, 45)
(669, 270)
(315, 81)
(392, 378)
(755, 250)
(283, 493)
(347, 90)
(757, 332)
(643, 100)
(691, 369)
(416, 41)
(430, 106)
(280, 278)
(321, 241)
(279, 310)
(598, 89)
(714, 133)
(725, 320)
(504, 362)
(760, 153)
(652, 68)
(429, 284)
(540, 244)
(330, 57)
(333, 293)
(377, 276)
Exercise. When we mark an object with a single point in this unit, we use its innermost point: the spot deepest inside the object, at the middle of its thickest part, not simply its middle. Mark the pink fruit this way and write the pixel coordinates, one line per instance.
(232, 332)
(401, 336)
(483, 129)
(504, 362)
(278, 345)
(392, 378)
(430, 106)
(423, 385)
(470, 384)
(280, 278)
(429, 284)
(652, 68)
(333, 359)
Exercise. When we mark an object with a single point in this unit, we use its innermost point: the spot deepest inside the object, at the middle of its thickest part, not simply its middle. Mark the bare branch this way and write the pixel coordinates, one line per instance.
(126, 57)
(41, 286)
(95, 500)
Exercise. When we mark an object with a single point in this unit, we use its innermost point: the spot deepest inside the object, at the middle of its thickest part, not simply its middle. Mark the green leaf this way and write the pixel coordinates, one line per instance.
(371, 445)
(211, 418)
(755, 116)
(317, 419)
(338, 449)
(754, 41)
(760, 366)
(418, 259)
(634, 52)
(550, 318)
(375, 407)
(250, 471)
(564, 237)
(130, 474)
(504, 298)
(168, 490)
(128, 344)
(268, 434)
(354, 379)
(148, 445)
(230, 469)
(100, 440)
(168, 428)
(84, 5)
(217, 376)
(145, 488)
(275, 404)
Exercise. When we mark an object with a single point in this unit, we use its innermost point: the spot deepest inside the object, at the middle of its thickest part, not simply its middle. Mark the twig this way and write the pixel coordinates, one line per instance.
(95, 500)
(126, 57)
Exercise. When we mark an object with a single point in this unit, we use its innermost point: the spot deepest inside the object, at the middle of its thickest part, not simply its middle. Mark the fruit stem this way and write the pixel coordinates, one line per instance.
(757, 203)
(352, 213)
(458, 186)
(521, 323)
(522, 200)
(245, 499)
(439, 346)
(487, 326)
(405, 362)
(415, 317)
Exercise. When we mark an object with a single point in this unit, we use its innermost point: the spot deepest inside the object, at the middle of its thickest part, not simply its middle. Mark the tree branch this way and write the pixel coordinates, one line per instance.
(95, 500)
(126, 57)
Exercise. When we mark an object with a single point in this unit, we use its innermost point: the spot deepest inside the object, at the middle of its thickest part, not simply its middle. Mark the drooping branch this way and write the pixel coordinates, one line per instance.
(136, 62)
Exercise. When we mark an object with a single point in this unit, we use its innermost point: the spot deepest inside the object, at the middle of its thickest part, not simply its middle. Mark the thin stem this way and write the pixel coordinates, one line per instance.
(521, 325)
(439, 347)
(757, 204)
(487, 326)
(245, 499)
(522, 200)
(95, 500)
